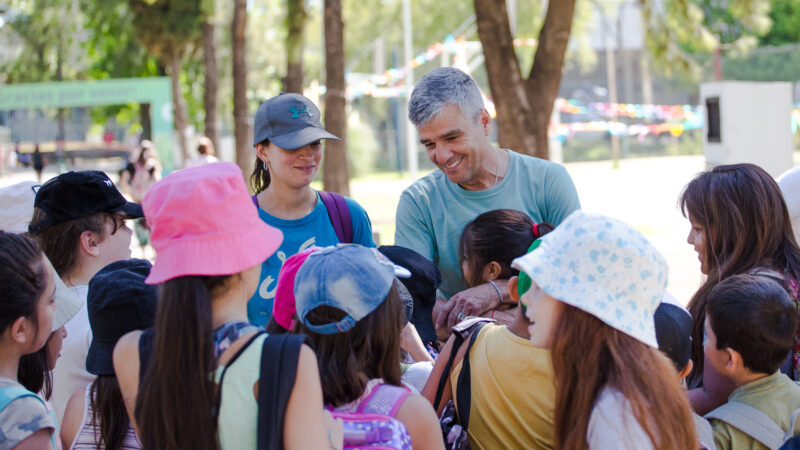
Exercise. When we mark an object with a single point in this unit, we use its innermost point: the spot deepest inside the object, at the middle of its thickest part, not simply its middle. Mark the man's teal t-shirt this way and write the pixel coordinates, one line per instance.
(299, 234)
(433, 211)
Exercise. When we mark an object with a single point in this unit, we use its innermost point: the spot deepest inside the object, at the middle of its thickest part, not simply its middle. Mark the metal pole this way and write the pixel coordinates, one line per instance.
(611, 81)
(408, 54)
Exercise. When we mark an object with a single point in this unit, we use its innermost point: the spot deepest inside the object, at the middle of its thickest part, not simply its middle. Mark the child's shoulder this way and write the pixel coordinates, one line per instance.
(22, 413)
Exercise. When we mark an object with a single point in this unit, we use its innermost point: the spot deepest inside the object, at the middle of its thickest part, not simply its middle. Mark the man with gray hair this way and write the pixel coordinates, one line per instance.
(474, 176)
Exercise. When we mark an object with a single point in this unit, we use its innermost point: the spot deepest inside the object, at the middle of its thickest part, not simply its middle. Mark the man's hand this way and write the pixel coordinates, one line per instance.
(474, 301)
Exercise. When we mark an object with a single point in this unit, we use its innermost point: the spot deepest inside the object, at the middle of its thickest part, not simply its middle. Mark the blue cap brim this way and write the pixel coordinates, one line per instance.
(301, 138)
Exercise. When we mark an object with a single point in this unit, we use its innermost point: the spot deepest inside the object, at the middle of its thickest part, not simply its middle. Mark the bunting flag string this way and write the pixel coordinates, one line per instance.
(614, 110)
(380, 85)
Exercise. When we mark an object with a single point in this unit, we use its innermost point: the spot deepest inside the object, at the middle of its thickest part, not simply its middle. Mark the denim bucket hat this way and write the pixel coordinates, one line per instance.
(603, 267)
(348, 277)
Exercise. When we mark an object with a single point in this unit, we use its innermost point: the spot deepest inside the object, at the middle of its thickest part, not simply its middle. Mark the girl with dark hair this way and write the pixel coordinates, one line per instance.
(26, 318)
(348, 304)
(503, 412)
(595, 286)
(36, 369)
(287, 138)
(740, 224)
(200, 364)
(488, 245)
(119, 301)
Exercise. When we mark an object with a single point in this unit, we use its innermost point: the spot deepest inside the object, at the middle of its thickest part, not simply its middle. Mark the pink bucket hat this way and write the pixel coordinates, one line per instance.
(283, 307)
(202, 222)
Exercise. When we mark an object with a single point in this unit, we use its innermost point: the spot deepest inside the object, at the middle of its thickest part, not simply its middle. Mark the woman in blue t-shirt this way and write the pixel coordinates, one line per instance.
(286, 136)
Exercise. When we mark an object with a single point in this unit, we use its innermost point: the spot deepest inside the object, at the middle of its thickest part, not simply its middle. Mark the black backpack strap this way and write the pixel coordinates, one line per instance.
(446, 373)
(460, 331)
(279, 359)
(464, 394)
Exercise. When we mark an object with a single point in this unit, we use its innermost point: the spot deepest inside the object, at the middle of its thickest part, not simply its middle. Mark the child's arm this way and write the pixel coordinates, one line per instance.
(73, 418)
(412, 343)
(126, 366)
(502, 317)
(423, 425)
(429, 391)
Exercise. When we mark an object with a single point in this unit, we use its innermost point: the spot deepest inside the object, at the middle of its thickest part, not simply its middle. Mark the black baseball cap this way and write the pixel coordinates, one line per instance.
(290, 121)
(422, 284)
(73, 195)
(674, 333)
(118, 302)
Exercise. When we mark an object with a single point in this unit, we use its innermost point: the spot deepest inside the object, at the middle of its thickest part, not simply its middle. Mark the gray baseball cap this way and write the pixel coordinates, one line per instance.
(290, 121)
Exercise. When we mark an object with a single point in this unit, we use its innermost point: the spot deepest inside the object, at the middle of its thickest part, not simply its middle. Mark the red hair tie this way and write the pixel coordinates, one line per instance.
(535, 231)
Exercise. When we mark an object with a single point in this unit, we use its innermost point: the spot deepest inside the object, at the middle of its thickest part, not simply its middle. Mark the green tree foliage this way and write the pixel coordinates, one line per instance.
(112, 51)
(111, 46)
(768, 63)
(46, 36)
(681, 32)
(785, 29)
(167, 28)
(170, 30)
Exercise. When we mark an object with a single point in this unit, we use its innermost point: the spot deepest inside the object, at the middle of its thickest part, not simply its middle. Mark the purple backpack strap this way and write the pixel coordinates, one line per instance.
(384, 399)
(339, 214)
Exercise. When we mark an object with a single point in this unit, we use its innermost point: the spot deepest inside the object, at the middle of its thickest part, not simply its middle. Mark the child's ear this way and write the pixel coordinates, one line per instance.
(492, 271)
(18, 330)
(89, 243)
(735, 361)
(512, 288)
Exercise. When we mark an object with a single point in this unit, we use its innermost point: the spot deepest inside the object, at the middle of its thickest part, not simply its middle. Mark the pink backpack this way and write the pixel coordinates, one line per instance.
(372, 425)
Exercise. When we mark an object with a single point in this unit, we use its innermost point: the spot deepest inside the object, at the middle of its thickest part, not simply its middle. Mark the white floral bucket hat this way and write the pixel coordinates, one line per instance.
(604, 267)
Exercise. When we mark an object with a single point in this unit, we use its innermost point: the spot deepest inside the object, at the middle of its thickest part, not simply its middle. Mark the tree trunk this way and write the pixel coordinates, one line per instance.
(514, 125)
(523, 105)
(175, 64)
(295, 22)
(62, 129)
(147, 124)
(211, 84)
(335, 175)
(547, 68)
(241, 129)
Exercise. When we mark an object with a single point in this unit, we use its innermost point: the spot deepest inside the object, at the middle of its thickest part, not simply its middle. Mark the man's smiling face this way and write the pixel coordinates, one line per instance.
(455, 143)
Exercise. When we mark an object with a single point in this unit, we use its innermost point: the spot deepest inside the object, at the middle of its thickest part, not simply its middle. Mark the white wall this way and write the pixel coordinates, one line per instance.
(755, 124)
